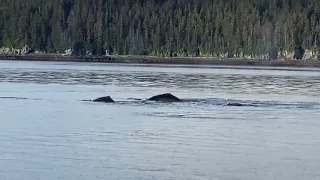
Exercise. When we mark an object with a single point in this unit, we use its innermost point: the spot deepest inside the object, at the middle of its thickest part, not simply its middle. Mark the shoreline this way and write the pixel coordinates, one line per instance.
(133, 59)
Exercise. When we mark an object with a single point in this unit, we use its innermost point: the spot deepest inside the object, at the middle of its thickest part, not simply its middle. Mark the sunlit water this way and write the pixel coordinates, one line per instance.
(48, 132)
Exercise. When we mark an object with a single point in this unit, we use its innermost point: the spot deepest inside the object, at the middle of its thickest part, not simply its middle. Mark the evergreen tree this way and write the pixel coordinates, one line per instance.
(161, 27)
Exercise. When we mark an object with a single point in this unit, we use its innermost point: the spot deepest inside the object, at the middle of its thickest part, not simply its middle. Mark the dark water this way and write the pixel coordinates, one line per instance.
(48, 132)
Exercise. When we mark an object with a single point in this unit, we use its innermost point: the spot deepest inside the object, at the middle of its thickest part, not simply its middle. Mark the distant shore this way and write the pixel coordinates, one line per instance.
(162, 60)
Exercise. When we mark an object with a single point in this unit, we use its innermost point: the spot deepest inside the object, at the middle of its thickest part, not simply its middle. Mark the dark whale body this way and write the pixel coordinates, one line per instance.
(167, 97)
(235, 104)
(106, 99)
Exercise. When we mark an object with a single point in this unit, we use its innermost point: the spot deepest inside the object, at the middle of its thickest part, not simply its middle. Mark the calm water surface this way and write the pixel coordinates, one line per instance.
(48, 132)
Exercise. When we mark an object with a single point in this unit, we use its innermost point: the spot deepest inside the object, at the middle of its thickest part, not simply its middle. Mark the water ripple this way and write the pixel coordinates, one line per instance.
(265, 84)
(275, 135)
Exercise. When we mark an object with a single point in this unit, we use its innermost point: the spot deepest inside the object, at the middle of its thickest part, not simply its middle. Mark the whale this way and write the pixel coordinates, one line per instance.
(106, 99)
(235, 104)
(167, 97)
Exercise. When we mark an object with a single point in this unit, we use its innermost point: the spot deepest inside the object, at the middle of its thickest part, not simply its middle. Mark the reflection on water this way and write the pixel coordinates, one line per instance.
(48, 132)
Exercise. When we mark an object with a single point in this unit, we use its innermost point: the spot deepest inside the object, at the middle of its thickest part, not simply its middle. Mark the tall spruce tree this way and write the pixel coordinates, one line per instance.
(161, 27)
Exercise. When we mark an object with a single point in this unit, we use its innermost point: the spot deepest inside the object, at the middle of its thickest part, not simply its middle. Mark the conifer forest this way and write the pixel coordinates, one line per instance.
(161, 27)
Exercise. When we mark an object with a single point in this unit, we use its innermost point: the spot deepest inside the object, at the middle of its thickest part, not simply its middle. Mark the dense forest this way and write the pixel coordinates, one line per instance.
(161, 27)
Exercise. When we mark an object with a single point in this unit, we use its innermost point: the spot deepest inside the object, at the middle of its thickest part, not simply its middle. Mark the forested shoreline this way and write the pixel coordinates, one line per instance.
(251, 28)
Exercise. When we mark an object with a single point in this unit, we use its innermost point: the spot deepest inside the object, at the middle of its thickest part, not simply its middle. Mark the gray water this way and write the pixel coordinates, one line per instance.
(48, 132)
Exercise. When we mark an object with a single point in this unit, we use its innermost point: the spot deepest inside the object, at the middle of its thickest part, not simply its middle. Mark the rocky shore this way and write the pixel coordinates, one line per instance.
(163, 60)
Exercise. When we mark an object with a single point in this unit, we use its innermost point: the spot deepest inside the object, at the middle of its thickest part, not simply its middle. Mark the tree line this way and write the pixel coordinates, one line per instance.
(161, 27)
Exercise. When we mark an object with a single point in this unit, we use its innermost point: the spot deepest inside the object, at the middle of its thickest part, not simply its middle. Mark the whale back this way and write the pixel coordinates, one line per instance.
(234, 104)
(106, 99)
(167, 97)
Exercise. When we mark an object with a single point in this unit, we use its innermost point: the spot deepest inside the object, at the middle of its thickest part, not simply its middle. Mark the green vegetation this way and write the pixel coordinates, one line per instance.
(161, 27)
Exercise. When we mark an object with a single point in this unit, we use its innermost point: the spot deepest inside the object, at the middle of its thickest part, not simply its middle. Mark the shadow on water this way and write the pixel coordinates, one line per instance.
(18, 98)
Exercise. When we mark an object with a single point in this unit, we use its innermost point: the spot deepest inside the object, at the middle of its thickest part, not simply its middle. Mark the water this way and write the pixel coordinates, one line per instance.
(48, 132)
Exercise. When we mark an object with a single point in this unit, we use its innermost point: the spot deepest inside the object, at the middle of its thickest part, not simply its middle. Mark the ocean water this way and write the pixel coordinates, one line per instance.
(48, 132)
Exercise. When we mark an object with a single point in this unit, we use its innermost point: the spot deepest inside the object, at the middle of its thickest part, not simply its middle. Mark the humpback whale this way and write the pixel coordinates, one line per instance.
(235, 104)
(167, 97)
(106, 99)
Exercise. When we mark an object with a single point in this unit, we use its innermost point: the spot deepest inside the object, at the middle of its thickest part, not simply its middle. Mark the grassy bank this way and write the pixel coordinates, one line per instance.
(164, 60)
